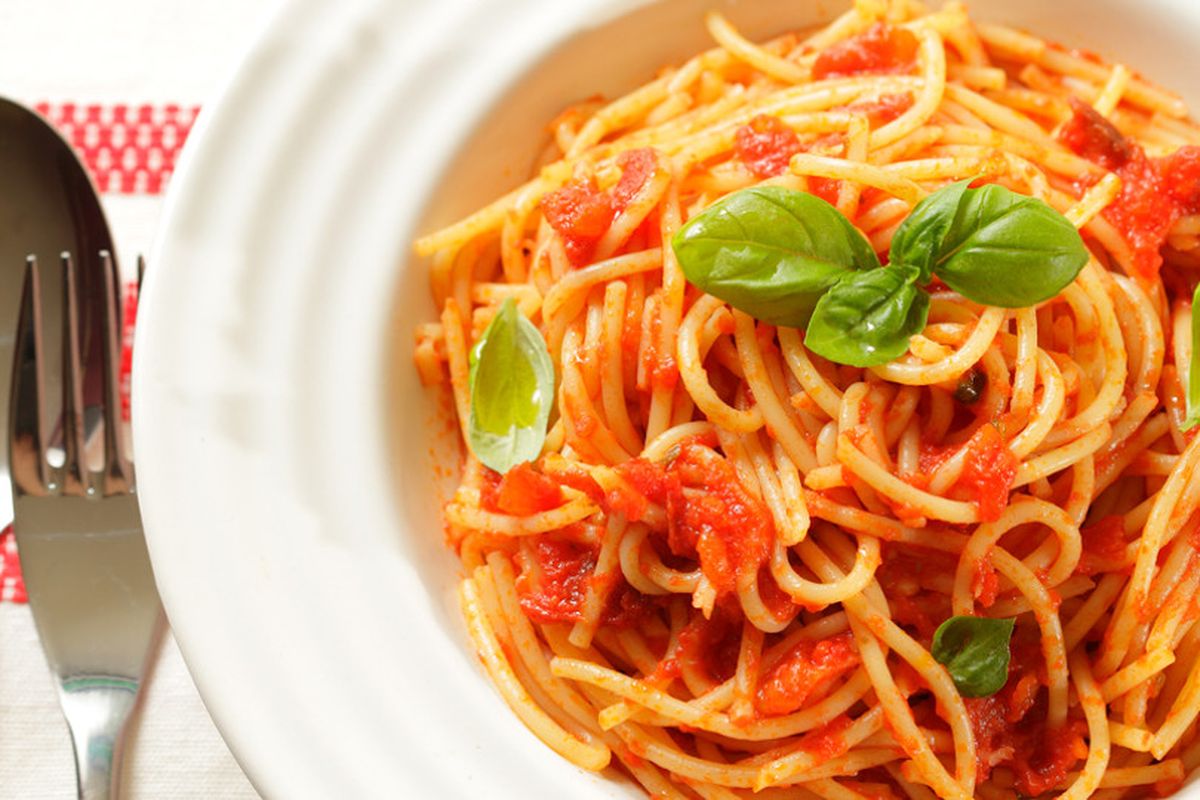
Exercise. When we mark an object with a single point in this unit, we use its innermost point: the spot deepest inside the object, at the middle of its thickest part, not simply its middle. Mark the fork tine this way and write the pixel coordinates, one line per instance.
(74, 433)
(116, 458)
(29, 414)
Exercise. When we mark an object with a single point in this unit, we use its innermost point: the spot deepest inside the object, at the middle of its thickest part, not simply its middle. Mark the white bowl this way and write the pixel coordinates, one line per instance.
(286, 450)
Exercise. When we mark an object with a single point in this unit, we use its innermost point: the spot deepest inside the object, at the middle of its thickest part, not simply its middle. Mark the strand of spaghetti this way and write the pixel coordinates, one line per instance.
(745, 676)
(563, 302)
(684, 713)
(813, 594)
(1053, 461)
(468, 514)
(1136, 673)
(691, 371)
(755, 609)
(673, 287)
(889, 530)
(786, 507)
(778, 68)
(619, 113)
(808, 165)
(588, 756)
(932, 57)
(999, 117)
(1049, 408)
(900, 720)
(1045, 612)
(628, 219)
(1099, 745)
(456, 358)
(498, 580)
(599, 587)
(922, 502)
(491, 217)
(1074, 586)
(1154, 535)
(971, 351)
(1046, 155)
(1144, 321)
(802, 760)
(868, 624)
(612, 360)
(1024, 511)
(583, 424)
(775, 416)
(1136, 739)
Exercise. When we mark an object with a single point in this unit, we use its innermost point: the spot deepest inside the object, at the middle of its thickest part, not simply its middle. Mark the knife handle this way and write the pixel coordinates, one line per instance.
(97, 709)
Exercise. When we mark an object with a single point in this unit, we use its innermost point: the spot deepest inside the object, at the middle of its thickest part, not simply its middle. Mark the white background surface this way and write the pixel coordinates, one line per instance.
(116, 51)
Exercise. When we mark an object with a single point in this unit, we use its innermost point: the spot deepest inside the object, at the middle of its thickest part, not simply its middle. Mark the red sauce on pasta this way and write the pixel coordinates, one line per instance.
(881, 49)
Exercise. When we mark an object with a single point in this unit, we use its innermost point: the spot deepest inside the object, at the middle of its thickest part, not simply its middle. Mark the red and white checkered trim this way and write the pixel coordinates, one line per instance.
(12, 585)
(129, 149)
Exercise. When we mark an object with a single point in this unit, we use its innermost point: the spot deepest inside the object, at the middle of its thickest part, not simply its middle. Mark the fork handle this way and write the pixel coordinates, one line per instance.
(97, 713)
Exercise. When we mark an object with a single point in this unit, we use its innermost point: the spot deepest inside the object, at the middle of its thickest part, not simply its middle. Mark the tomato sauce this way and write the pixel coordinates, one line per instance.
(985, 583)
(711, 645)
(1010, 726)
(827, 741)
(717, 521)
(564, 570)
(582, 214)
(804, 671)
(766, 145)
(1104, 547)
(884, 109)
(988, 472)
(521, 491)
(557, 594)
(728, 528)
(1155, 193)
(660, 368)
(879, 50)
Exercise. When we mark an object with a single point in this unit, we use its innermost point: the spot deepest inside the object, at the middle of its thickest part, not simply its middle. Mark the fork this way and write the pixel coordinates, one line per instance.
(76, 519)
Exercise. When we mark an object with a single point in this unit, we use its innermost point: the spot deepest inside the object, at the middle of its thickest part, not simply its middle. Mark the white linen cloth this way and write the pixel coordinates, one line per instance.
(117, 51)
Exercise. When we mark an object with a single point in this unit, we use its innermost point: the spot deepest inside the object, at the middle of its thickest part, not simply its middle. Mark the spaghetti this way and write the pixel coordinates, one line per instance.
(725, 570)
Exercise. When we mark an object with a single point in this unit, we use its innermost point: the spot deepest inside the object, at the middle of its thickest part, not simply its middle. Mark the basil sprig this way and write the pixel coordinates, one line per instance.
(1193, 377)
(771, 252)
(975, 651)
(868, 317)
(512, 391)
(790, 258)
(991, 245)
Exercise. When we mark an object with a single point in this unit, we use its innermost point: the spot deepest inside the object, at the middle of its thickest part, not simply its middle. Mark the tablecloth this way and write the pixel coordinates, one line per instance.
(122, 79)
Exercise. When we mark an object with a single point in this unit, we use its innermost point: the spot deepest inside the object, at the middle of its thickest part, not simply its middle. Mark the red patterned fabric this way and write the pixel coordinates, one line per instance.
(129, 149)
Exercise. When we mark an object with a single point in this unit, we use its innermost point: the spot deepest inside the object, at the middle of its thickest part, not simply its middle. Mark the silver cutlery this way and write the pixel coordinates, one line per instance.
(78, 529)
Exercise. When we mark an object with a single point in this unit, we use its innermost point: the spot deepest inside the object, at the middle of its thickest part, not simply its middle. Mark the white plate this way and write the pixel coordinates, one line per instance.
(285, 447)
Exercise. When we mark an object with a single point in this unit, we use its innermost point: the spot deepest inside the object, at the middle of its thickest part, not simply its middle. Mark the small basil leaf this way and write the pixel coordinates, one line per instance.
(867, 318)
(771, 252)
(991, 245)
(975, 652)
(919, 238)
(512, 391)
(1193, 394)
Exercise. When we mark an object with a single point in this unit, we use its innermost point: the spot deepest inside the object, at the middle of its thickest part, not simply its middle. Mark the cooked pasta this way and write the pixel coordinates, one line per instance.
(724, 567)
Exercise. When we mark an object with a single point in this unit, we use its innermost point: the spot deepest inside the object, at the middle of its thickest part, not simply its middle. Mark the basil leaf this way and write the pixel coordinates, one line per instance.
(919, 238)
(991, 245)
(975, 652)
(1193, 394)
(512, 391)
(867, 318)
(771, 252)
